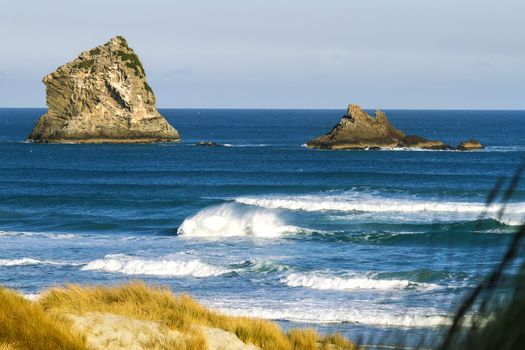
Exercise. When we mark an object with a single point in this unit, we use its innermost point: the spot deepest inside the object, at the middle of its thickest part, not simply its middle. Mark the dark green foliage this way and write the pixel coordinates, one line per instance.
(122, 40)
(95, 51)
(84, 64)
(132, 61)
(147, 87)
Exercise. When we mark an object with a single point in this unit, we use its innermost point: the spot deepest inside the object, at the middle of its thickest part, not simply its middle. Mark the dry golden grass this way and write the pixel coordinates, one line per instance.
(337, 341)
(52, 321)
(304, 339)
(24, 325)
(7, 347)
(156, 303)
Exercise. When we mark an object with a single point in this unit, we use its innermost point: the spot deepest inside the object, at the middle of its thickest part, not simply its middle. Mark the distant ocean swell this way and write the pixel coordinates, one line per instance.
(410, 208)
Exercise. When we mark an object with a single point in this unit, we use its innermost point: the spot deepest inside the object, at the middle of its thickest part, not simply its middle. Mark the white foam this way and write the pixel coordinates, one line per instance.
(228, 220)
(515, 148)
(410, 317)
(129, 265)
(416, 149)
(246, 145)
(323, 282)
(30, 261)
(358, 202)
(38, 234)
(32, 296)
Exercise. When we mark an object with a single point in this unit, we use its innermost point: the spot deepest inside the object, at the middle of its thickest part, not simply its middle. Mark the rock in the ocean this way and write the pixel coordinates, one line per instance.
(102, 96)
(358, 130)
(208, 143)
(414, 141)
(470, 145)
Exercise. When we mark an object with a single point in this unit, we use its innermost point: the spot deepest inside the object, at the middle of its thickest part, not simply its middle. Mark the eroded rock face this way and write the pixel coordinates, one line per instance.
(102, 96)
(358, 130)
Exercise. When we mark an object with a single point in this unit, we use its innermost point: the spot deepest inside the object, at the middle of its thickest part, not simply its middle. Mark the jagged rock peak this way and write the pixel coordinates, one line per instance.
(102, 96)
(358, 130)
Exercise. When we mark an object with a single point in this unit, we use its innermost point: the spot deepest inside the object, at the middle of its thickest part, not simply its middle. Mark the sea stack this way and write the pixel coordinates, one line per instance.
(102, 97)
(359, 130)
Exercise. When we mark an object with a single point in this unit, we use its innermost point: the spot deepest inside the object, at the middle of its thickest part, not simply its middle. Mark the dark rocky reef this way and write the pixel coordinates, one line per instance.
(358, 130)
(208, 144)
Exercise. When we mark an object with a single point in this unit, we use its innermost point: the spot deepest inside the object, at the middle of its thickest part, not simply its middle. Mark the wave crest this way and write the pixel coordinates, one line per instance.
(129, 265)
(227, 220)
(31, 261)
(318, 281)
(362, 202)
(312, 314)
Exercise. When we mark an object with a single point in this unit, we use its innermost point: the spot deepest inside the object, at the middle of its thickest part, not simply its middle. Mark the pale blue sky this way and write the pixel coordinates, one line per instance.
(282, 54)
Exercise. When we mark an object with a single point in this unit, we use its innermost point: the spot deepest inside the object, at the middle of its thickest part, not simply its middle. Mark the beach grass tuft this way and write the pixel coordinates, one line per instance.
(304, 339)
(24, 325)
(48, 322)
(181, 313)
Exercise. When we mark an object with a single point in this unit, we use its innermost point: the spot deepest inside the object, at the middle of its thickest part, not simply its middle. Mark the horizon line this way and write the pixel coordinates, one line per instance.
(318, 109)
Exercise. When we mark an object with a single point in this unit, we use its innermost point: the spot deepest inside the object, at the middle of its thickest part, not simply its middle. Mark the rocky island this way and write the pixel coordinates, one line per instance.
(358, 130)
(102, 97)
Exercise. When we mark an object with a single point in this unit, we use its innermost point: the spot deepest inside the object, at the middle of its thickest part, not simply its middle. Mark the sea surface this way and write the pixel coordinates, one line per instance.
(366, 243)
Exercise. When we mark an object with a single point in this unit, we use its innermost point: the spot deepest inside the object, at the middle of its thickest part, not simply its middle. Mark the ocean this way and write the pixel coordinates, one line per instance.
(366, 243)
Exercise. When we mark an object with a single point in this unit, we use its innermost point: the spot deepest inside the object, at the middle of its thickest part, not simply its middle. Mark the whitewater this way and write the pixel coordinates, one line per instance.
(357, 242)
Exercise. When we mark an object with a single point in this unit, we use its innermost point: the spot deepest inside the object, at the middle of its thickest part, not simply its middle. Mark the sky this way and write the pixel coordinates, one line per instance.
(389, 54)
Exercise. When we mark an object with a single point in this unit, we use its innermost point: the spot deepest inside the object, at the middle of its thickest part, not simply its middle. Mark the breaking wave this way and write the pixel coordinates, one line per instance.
(259, 266)
(312, 314)
(319, 281)
(166, 267)
(398, 207)
(229, 219)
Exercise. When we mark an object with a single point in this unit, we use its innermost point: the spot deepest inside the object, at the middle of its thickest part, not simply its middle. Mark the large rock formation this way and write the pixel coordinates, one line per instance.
(102, 96)
(358, 130)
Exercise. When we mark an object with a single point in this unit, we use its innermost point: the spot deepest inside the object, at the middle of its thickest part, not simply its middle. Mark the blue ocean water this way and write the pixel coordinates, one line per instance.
(360, 242)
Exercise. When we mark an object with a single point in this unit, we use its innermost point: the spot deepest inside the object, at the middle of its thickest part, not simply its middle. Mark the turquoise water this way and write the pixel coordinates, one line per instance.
(361, 242)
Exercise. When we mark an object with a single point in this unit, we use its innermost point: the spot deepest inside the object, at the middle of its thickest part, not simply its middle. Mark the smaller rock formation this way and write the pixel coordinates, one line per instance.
(414, 141)
(208, 144)
(358, 130)
(470, 145)
(102, 96)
